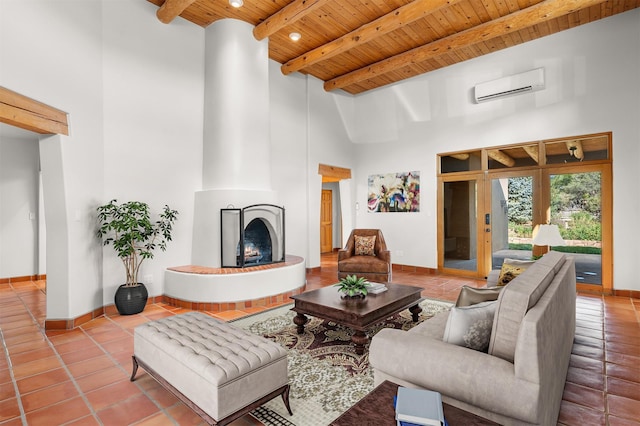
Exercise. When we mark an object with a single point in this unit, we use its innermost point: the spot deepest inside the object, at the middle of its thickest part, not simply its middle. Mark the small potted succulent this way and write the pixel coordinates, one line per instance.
(128, 227)
(353, 286)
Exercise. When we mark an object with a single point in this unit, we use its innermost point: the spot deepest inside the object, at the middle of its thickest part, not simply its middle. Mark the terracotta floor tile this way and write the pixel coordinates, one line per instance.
(129, 411)
(228, 315)
(42, 380)
(584, 396)
(631, 374)
(90, 366)
(79, 344)
(624, 407)
(618, 421)
(9, 409)
(34, 355)
(49, 396)
(630, 360)
(585, 378)
(162, 397)
(7, 390)
(158, 419)
(622, 348)
(624, 388)
(120, 345)
(112, 394)
(101, 378)
(84, 421)
(589, 341)
(184, 415)
(63, 412)
(17, 421)
(584, 363)
(35, 367)
(578, 415)
(82, 355)
(588, 352)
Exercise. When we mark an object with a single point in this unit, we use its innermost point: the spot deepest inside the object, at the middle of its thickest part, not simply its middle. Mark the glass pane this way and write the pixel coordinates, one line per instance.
(461, 162)
(576, 207)
(512, 219)
(460, 212)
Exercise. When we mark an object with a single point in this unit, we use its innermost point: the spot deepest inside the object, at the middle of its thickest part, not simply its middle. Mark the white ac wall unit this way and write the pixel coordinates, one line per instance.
(530, 81)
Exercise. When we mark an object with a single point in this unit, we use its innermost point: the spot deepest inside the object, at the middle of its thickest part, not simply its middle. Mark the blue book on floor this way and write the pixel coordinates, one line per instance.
(419, 407)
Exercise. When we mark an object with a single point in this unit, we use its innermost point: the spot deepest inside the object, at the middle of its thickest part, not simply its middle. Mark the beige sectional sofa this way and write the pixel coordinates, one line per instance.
(521, 379)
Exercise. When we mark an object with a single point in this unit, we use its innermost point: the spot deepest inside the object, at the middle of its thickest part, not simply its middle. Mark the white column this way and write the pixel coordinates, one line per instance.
(236, 129)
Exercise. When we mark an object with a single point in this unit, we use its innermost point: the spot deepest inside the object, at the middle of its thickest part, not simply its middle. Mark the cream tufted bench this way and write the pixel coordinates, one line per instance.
(220, 371)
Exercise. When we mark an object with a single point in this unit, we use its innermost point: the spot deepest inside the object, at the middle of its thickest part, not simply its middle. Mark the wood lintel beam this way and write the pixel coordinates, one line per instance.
(501, 157)
(508, 24)
(334, 172)
(385, 24)
(286, 16)
(26, 113)
(532, 151)
(578, 152)
(171, 9)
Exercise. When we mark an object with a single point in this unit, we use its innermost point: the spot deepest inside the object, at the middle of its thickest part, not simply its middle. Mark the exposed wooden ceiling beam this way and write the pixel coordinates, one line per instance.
(525, 18)
(577, 150)
(501, 157)
(286, 16)
(461, 157)
(26, 113)
(385, 24)
(532, 151)
(171, 9)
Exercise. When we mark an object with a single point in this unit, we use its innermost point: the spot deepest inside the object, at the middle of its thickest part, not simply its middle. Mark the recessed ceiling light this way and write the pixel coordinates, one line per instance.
(236, 3)
(295, 36)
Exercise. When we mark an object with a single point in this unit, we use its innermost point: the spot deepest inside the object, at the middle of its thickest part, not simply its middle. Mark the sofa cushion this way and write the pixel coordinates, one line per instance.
(470, 326)
(514, 302)
(365, 245)
(370, 264)
(470, 295)
(511, 268)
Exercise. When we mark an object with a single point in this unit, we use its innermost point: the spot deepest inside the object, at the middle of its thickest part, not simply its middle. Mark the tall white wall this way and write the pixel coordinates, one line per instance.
(133, 90)
(19, 176)
(590, 87)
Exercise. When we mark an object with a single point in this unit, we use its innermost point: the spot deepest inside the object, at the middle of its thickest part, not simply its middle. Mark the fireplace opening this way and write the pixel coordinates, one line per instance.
(261, 242)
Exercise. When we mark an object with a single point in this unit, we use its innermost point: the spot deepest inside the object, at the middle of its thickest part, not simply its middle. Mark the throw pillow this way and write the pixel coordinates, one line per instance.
(470, 295)
(511, 268)
(365, 245)
(470, 326)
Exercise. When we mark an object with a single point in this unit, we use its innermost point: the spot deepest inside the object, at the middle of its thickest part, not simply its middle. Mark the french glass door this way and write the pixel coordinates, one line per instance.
(460, 240)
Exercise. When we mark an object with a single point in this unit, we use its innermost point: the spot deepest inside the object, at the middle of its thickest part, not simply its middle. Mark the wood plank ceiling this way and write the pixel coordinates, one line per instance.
(357, 45)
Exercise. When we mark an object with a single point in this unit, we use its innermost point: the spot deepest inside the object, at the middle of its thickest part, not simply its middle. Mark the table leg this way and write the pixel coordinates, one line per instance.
(300, 320)
(415, 312)
(359, 339)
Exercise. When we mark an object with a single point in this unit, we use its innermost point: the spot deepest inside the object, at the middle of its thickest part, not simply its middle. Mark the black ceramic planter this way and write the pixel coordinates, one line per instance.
(131, 300)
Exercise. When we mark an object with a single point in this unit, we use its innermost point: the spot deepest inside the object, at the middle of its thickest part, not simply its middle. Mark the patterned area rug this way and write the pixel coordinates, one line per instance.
(326, 375)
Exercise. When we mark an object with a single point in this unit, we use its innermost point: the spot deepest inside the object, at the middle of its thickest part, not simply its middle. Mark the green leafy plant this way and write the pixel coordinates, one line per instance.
(352, 285)
(128, 227)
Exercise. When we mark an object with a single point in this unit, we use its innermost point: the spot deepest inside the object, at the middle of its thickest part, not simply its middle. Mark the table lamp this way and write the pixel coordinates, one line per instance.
(547, 236)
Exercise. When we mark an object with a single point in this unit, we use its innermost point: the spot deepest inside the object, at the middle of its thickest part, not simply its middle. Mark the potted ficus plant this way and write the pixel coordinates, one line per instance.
(353, 286)
(134, 237)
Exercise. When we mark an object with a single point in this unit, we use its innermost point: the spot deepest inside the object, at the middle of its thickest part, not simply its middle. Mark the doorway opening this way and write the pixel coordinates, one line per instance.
(331, 211)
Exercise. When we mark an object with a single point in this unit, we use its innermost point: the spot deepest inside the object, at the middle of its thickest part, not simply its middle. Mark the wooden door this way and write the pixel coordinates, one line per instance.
(326, 224)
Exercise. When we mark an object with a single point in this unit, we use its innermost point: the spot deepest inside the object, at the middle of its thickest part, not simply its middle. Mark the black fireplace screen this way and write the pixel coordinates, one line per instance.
(252, 236)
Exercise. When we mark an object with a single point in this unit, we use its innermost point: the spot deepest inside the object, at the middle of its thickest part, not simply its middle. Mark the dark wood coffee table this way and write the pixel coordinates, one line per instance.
(358, 314)
(377, 409)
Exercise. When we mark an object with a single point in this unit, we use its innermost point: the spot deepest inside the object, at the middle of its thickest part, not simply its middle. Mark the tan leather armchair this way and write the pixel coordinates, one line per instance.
(375, 268)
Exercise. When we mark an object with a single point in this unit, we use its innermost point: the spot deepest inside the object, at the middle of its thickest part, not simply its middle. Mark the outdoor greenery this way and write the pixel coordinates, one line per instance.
(134, 237)
(575, 206)
(565, 249)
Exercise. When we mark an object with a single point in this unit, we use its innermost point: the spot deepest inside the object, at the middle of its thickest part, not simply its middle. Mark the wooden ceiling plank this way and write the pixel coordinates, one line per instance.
(286, 16)
(171, 9)
(540, 13)
(26, 113)
(385, 24)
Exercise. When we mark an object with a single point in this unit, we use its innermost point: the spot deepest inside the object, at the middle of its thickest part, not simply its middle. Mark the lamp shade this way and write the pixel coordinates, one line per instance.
(548, 235)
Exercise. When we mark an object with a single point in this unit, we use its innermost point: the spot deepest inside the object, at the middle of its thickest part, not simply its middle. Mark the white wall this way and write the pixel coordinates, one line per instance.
(133, 90)
(590, 87)
(19, 176)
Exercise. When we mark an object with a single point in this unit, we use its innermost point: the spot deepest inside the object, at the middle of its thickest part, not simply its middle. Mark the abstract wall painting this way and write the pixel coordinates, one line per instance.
(394, 192)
